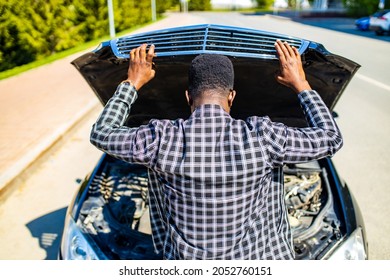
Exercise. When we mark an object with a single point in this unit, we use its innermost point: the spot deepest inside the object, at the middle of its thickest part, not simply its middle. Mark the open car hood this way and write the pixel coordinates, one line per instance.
(255, 63)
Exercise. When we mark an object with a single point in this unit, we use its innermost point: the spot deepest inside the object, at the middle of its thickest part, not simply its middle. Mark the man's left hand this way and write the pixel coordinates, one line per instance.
(291, 73)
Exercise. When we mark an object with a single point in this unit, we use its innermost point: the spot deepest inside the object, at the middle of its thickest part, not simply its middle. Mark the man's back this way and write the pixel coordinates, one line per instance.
(213, 178)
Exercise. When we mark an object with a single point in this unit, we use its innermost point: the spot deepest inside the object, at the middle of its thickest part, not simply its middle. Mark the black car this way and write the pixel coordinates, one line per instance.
(109, 217)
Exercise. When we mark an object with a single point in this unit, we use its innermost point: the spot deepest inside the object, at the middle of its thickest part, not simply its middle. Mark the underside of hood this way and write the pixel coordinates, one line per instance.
(255, 64)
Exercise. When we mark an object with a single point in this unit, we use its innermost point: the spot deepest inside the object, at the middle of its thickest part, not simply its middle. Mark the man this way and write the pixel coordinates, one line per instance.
(214, 187)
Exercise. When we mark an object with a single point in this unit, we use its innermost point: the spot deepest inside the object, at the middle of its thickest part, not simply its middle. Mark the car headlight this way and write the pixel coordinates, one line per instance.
(75, 245)
(352, 248)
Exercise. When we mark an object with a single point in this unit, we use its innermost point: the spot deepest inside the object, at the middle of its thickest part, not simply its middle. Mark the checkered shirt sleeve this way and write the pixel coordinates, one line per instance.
(136, 145)
(216, 187)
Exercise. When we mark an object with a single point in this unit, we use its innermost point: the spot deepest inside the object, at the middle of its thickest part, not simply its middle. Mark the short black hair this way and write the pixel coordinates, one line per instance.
(210, 72)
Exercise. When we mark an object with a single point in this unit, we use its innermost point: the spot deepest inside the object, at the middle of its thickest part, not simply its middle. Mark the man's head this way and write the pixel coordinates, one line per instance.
(211, 78)
(210, 72)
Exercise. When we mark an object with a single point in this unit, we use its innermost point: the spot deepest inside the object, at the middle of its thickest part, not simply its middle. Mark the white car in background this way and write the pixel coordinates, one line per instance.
(380, 22)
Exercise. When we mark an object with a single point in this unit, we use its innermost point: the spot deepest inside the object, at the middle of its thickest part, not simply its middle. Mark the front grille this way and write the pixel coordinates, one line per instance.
(192, 40)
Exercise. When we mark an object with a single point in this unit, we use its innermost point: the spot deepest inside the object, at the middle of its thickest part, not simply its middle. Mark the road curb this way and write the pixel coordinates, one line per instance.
(11, 174)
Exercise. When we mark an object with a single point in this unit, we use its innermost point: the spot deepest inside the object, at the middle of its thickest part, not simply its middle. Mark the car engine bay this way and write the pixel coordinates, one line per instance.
(115, 212)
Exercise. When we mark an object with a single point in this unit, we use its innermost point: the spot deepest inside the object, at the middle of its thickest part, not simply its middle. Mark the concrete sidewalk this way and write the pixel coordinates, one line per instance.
(38, 107)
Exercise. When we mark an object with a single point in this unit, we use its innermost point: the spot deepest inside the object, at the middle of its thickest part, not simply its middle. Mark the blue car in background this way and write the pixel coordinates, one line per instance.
(363, 23)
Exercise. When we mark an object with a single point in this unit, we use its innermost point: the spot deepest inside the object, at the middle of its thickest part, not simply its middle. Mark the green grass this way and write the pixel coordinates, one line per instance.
(94, 43)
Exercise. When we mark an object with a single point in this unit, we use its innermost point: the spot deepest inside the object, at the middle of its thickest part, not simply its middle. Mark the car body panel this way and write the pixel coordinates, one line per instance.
(363, 23)
(258, 91)
(322, 219)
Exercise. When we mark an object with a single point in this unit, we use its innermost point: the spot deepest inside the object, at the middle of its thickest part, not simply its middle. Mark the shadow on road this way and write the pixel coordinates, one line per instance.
(340, 24)
(48, 230)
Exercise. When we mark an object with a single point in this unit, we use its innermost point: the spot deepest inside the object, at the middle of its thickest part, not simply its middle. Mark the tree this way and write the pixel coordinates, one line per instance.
(199, 5)
(264, 3)
(14, 46)
(162, 6)
(51, 26)
(358, 8)
(32, 29)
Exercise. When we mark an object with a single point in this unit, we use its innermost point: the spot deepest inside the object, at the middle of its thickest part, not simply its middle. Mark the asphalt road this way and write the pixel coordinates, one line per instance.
(31, 219)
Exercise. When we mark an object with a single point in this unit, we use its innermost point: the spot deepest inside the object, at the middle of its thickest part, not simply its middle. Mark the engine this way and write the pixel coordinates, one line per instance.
(115, 213)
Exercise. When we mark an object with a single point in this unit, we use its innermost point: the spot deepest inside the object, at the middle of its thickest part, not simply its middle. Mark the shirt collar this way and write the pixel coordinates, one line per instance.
(210, 110)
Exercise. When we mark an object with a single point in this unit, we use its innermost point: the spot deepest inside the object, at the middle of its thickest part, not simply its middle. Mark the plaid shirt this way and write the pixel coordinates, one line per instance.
(216, 186)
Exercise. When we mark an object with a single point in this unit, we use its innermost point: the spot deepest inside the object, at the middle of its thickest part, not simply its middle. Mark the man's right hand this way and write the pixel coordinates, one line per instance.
(291, 73)
(140, 69)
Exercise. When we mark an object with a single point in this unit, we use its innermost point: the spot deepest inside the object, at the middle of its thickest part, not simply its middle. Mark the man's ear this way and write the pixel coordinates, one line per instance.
(189, 98)
(232, 95)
